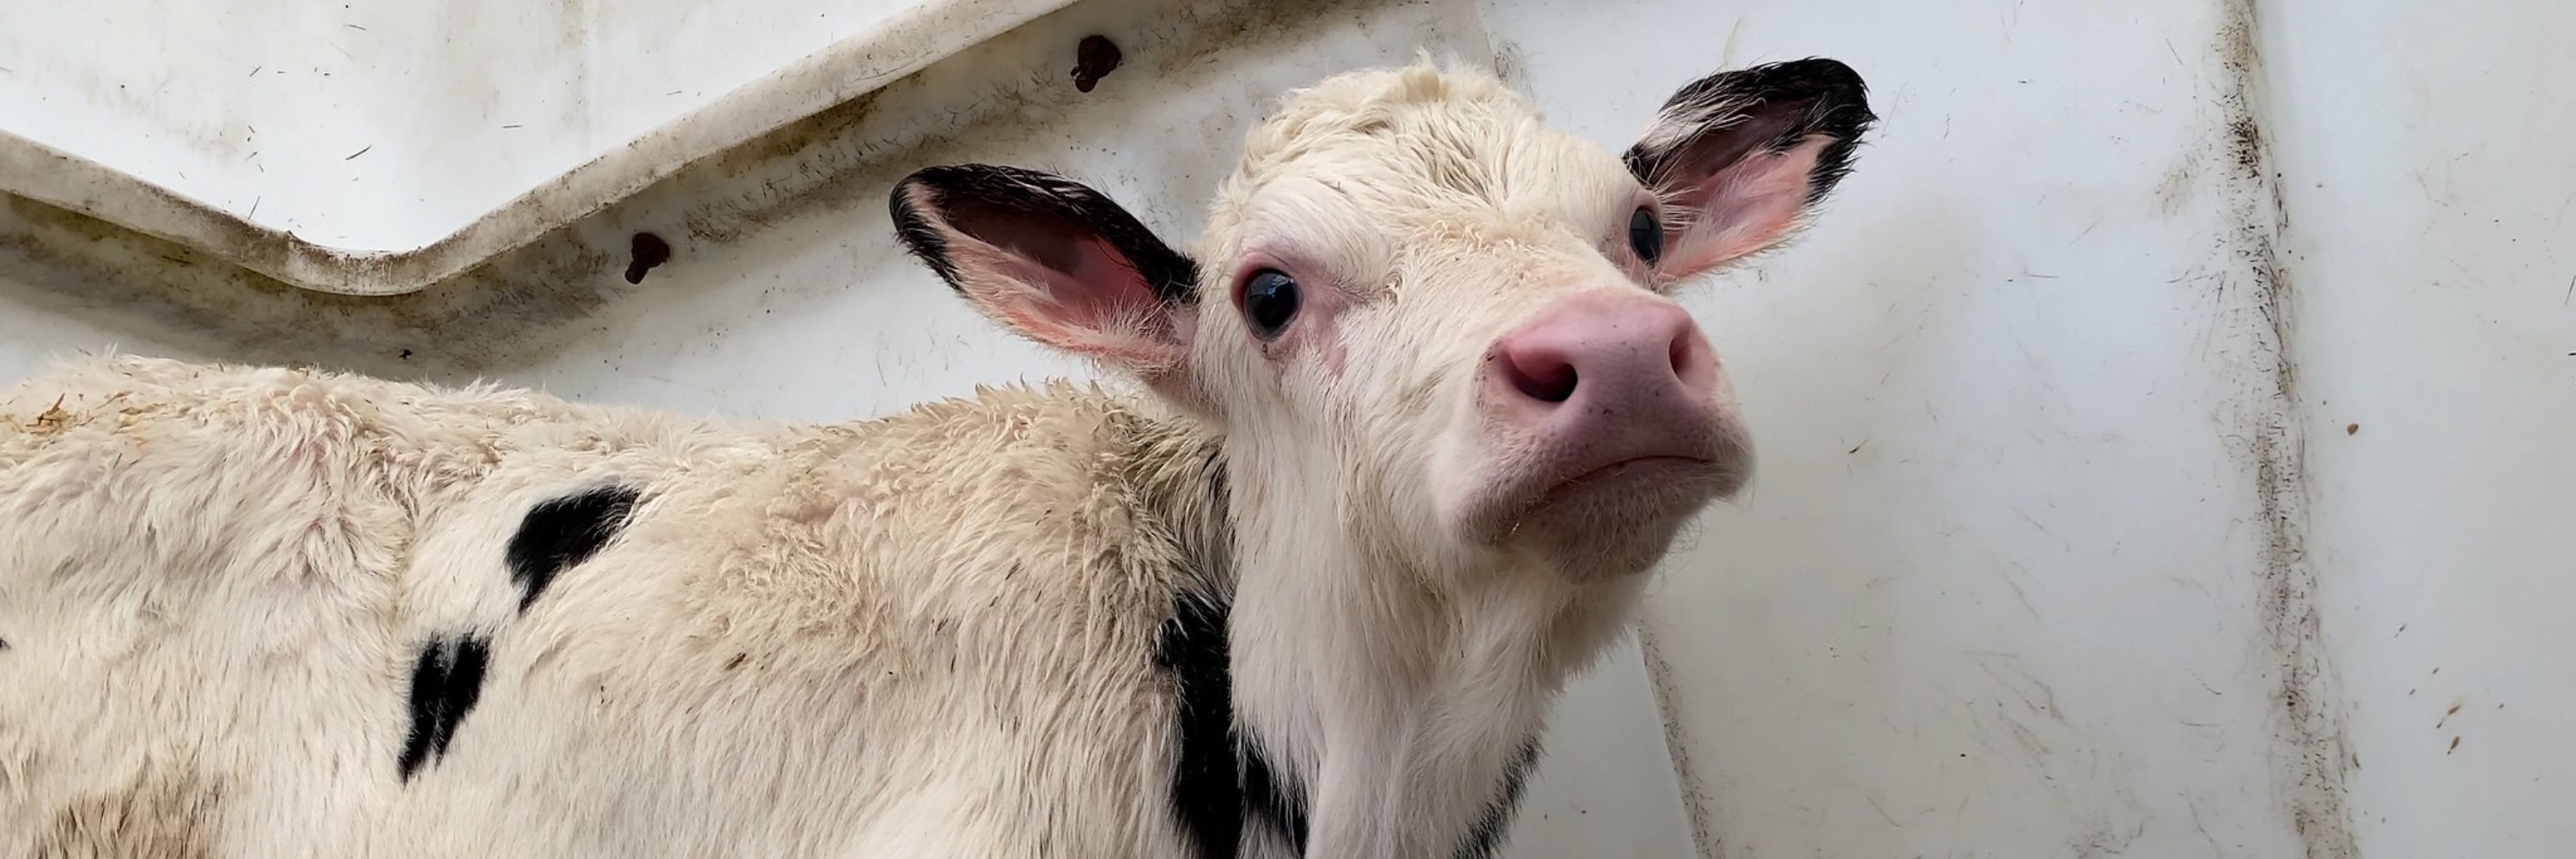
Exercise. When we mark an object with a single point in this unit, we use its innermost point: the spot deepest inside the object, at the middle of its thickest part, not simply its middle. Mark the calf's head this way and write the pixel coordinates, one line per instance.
(1420, 313)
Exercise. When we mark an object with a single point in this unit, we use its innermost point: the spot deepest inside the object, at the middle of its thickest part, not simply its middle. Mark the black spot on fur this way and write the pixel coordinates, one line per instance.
(1045, 211)
(1487, 835)
(563, 532)
(1769, 108)
(1275, 803)
(1207, 796)
(1220, 779)
(445, 682)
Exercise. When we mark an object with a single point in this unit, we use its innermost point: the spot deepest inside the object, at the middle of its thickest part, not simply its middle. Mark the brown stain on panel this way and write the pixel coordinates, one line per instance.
(2313, 753)
(1697, 802)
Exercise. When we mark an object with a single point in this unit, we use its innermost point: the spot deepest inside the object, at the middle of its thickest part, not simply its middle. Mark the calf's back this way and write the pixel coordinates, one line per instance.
(277, 613)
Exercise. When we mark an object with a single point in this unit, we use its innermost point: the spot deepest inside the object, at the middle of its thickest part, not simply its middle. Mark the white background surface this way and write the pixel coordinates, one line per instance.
(457, 105)
(2050, 508)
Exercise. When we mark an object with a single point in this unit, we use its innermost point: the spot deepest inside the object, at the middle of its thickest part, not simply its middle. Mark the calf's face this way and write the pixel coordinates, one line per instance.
(1420, 312)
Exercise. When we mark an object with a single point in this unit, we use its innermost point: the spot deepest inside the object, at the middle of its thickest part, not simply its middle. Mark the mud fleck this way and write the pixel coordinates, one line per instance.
(644, 252)
(1509, 65)
(2175, 191)
(1094, 59)
(2351, 429)
(53, 418)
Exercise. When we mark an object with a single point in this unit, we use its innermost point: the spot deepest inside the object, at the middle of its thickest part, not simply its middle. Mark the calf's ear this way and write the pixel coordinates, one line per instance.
(1053, 260)
(1740, 158)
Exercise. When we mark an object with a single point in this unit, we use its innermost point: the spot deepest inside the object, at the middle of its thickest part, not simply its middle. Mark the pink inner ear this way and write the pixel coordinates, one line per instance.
(1745, 207)
(1083, 298)
(1086, 283)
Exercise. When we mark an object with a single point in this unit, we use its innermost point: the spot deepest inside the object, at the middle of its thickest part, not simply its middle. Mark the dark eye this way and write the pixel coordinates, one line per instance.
(1646, 235)
(1269, 302)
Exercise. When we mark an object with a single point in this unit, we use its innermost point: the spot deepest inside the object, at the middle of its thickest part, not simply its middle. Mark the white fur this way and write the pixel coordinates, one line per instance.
(1393, 662)
(213, 581)
(926, 635)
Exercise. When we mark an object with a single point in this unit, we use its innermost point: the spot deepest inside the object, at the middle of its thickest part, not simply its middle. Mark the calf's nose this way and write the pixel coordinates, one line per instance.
(1602, 354)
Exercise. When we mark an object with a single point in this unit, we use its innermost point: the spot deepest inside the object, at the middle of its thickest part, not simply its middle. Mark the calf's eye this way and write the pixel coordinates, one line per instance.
(1269, 302)
(1646, 235)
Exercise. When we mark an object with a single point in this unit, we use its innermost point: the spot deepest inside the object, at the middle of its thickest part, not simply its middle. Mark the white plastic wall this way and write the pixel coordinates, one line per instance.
(2156, 432)
(381, 125)
(2430, 188)
(2002, 589)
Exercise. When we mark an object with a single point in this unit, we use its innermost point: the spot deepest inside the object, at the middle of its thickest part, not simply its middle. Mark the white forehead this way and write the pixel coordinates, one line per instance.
(1365, 161)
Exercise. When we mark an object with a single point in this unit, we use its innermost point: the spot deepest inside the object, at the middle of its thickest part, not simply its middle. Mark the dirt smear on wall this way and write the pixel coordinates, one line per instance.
(2312, 754)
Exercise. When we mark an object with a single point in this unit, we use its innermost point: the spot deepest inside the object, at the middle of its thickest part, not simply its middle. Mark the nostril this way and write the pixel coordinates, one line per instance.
(1540, 374)
(1694, 361)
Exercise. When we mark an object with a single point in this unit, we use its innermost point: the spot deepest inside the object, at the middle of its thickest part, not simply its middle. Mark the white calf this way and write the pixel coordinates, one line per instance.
(1415, 427)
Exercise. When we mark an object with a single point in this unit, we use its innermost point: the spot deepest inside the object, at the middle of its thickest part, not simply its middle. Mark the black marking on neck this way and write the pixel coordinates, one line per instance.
(1220, 779)
(445, 682)
(560, 533)
(1487, 835)
(1224, 784)
(1277, 804)
(1206, 796)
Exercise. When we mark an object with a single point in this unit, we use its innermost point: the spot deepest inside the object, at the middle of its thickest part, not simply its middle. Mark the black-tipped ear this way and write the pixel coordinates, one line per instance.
(1051, 259)
(1747, 153)
(1040, 216)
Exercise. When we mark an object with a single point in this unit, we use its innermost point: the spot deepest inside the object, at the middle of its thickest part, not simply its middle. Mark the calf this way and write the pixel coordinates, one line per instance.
(1416, 418)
